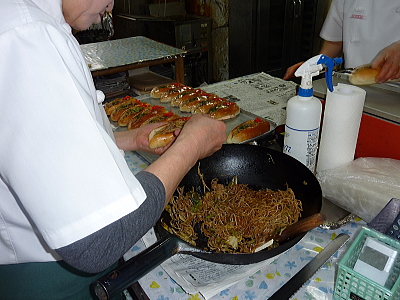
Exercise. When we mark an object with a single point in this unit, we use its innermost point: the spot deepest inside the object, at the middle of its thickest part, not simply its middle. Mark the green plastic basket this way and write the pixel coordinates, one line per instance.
(351, 285)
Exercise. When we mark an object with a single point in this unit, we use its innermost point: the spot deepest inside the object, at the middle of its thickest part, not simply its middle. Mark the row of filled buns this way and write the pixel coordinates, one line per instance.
(194, 101)
(133, 113)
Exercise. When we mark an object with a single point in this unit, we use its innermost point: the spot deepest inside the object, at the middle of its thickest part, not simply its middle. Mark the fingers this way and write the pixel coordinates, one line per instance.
(177, 132)
(389, 71)
(206, 133)
(201, 133)
(388, 60)
(142, 138)
(291, 70)
(289, 74)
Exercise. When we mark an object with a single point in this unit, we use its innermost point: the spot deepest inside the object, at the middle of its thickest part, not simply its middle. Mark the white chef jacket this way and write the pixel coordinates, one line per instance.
(364, 26)
(61, 175)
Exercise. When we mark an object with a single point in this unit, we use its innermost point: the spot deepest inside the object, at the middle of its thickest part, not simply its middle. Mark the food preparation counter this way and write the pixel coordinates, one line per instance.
(268, 277)
(258, 95)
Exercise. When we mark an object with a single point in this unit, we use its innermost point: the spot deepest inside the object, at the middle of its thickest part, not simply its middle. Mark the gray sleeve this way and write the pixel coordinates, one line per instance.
(103, 248)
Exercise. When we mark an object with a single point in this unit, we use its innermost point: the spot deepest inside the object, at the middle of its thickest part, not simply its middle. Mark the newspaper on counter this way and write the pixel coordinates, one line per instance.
(260, 94)
(196, 275)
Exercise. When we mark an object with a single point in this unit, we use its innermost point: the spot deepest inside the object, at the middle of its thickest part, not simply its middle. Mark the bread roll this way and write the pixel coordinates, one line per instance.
(110, 106)
(158, 91)
(224, 111)
(174, 93)
(166, 117)
(163, 135)
(205, 106)
(190, 105)
(248, 130)
(188, 94)
(120, 109)
(131, 112)
(145, 115)
(363, 75)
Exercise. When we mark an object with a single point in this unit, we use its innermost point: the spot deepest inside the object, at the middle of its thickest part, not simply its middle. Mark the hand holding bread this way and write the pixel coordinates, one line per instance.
(202, 134)
(132, 113)
(165, 134)
(365, 75)
(388, 60)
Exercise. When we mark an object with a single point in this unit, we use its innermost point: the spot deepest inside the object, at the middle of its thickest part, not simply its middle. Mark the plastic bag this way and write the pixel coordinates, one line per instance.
(363, 186)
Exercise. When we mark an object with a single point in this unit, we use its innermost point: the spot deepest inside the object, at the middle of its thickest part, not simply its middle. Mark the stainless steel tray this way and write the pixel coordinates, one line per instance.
(230, 123)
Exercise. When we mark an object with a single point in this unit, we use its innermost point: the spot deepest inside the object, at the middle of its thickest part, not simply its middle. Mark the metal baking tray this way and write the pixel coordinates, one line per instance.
(230, 123)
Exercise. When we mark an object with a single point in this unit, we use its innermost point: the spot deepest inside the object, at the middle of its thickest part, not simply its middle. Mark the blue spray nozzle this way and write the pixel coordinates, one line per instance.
(329, 63)
(311, 68)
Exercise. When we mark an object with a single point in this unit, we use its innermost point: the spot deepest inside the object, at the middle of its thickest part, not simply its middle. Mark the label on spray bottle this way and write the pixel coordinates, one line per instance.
(302, 145)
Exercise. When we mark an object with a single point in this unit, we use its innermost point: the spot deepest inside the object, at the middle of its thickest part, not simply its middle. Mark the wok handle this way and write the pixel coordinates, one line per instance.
(135, 268)
(301, 226)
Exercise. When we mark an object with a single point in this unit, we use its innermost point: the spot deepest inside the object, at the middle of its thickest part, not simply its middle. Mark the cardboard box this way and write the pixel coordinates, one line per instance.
(144, 82)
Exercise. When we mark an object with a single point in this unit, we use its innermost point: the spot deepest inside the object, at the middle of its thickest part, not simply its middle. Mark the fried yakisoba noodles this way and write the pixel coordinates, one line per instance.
(233, 218)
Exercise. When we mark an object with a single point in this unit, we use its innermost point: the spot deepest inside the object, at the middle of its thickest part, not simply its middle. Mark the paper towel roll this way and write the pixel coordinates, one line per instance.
(341, 122)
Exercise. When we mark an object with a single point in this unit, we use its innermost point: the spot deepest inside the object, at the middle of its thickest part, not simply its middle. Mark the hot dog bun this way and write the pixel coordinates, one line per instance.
(158, 91)
(175, 92)
(363, 75)
(248, 130)
(190, 105)
(224, 111)
(164, 134)
(145, 115)
(131, 112)
(176, 101)
(110, 106)
(166, 117)
(120, 109)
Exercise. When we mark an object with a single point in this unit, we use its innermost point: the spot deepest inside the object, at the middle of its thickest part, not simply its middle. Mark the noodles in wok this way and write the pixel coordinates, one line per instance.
(233, 218)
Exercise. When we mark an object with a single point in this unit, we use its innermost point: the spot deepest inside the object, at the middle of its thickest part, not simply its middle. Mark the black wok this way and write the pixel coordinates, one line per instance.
(253, 165)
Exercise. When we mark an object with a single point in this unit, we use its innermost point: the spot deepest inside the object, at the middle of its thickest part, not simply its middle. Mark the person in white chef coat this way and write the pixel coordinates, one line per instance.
(366, 31)
(69, 205)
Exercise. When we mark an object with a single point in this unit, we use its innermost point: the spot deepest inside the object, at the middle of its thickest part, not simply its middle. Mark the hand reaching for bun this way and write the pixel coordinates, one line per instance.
(387, 62)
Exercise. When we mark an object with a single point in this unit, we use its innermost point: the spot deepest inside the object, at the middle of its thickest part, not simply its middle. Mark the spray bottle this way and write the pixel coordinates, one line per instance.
(303, 111)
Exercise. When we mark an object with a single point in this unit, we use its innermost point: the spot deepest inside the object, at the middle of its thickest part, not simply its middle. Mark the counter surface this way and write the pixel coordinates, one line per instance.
(263, 283)
(382, 100)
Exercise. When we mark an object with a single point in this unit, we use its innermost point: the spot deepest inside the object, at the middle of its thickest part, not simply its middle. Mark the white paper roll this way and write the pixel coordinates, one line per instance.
(341, 123)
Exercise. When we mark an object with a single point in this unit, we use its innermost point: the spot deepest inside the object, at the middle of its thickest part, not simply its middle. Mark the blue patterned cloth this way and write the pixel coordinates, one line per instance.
(261, 285)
